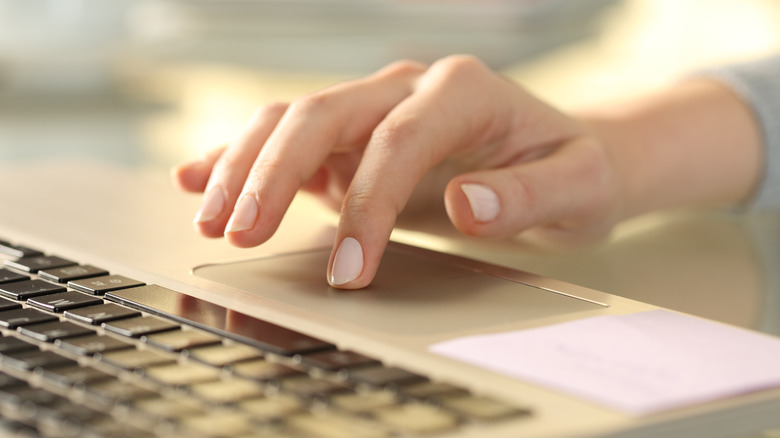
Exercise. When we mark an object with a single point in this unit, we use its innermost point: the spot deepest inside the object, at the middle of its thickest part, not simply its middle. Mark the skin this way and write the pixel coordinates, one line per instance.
(402, 139)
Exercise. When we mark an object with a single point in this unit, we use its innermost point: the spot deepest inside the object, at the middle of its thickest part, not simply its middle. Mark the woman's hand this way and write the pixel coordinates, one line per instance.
(506, 162)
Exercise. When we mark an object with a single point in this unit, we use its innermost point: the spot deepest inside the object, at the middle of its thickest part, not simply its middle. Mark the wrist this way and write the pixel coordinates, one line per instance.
(694, 144)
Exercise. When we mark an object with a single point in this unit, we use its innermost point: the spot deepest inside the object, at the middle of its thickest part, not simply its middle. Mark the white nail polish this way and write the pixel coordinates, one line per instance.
(245, 214)
(213, 204)
(348, 262)
(482, 200)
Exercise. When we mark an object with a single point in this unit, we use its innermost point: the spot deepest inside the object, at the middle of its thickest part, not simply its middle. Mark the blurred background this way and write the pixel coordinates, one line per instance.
(149, 83)
(153, 81)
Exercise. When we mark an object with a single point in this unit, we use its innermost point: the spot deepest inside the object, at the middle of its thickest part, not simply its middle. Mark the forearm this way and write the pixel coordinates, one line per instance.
(697, 143)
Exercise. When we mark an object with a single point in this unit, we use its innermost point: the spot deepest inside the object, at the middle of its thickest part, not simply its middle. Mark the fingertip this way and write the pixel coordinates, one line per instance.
(177, 176)
(190, 177)
(247, 238)
(482, 200)
(248, 225)
(349, 267)
(473, 207)
(347, 262)
(211, 229)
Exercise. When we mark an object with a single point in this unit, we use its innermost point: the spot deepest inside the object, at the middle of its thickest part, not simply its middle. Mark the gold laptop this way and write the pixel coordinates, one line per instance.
(118, 320)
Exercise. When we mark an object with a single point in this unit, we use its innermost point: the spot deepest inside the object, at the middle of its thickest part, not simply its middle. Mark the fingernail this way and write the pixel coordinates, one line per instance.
(482, 200)
(244, 216)
(348, 262)
(212, 206)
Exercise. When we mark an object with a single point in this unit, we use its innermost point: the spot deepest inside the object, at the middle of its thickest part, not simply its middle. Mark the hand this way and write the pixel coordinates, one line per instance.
(363, 147)
(506, 162)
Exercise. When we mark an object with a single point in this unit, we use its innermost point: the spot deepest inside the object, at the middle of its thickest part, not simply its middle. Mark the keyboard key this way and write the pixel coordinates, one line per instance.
(101, 313)
(54, 414)
(135, 359)
(64, 301)
(221, 355)
(179, 375)
(71, 273)
(335, 425)
(179, 340)
(12, 345)
(334, 360)
(71, 375)
(417, 418)
(61, 411)
(17, 251)
(33, 264)
(11, 319)
(307, 386)
(22, 393)
(9, 305)
(101, 285)
(108, 426)
(93, 344)
(226, 391)
(364, 402)
(10, 428)
(7, 381)
(9, 276)
(29, 360)
(482, 408)
(272, 407)
(51, 331)
(383, 376)
(168, 408)
(261, 369)
(114, 391)
(140, 326)
(218, 425)
(22, 290)
(432, 390)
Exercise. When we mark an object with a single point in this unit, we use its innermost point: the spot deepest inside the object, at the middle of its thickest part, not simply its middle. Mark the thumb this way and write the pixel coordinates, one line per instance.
(571, 191)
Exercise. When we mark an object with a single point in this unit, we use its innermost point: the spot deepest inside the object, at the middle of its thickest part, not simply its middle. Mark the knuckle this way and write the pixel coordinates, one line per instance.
(269, 110)
(396, 136)
(403, 67)
(227, 161)
(274, 169)
(460, 67)
(596, 167)
(224, 165)
(527, 195)
(600, 171)
(358, 203)
(313, 103)
(365, 206)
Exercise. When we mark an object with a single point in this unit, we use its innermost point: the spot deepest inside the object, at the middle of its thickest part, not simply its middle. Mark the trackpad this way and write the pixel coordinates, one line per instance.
(412, 294)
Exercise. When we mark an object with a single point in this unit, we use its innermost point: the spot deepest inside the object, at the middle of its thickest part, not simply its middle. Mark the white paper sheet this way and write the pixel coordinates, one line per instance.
(638, 364)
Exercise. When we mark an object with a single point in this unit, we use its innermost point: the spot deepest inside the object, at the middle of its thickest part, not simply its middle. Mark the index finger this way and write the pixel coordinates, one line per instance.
(341, 117)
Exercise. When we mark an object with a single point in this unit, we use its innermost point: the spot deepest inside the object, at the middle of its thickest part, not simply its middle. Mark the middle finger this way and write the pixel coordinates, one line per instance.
(337, 119)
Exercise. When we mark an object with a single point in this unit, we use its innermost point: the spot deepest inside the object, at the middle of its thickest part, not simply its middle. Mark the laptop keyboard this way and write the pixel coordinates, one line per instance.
(89, 353)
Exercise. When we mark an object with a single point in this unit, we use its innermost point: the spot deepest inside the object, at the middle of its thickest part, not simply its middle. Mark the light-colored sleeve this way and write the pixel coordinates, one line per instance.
(758, 83)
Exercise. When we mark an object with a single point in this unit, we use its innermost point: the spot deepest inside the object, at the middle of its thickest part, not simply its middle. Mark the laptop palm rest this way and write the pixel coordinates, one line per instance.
(413, 293)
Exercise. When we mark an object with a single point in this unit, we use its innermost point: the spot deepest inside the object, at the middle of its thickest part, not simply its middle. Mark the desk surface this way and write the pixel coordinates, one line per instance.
(715, 264)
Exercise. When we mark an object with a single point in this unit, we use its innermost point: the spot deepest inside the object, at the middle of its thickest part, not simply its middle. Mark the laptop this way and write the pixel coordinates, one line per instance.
(117, 320)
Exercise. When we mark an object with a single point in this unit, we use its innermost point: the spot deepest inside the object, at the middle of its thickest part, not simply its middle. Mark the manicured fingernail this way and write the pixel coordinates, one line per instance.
(213, 204)
(482, 200)
(245, 214)
(348, 262)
